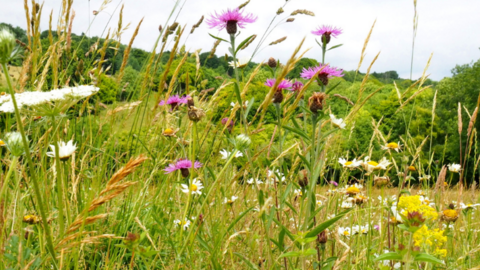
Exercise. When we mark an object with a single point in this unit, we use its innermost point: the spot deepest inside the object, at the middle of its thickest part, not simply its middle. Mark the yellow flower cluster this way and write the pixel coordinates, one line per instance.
(409, 204)
(431, 239)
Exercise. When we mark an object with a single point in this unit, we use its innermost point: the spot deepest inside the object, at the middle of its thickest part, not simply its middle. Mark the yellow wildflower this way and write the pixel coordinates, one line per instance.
(433, 240)
(410, 204)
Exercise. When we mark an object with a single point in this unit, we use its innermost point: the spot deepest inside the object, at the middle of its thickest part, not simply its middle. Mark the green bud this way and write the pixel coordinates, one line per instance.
(14, 143)
(7, 45)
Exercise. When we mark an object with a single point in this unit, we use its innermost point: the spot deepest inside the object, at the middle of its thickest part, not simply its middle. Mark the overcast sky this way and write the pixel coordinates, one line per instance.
(449, 29)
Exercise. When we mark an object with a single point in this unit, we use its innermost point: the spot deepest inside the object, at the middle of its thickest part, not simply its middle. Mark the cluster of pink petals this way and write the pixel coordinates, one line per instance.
(220, 20)
(296, 86)
(226, 121)
(328, 30)
(182, 164)
(174, 100)
(284, 84)
(325, 70)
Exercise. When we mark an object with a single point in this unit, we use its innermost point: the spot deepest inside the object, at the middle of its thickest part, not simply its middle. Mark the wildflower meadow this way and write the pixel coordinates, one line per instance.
(113, 157)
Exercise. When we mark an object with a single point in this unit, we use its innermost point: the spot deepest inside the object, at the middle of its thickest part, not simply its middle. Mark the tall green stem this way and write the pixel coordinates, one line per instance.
(237, 83)
(36, 187)
(60, 190)
(7, 177)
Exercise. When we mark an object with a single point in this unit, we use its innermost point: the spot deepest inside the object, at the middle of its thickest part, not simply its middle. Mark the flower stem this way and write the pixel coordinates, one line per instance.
(243, 117)
(7, 177)
(36, 187)
(60, 190)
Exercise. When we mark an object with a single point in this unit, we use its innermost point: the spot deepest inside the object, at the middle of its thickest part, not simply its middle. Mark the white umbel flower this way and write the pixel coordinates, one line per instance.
(338, 122)
(456, 168)
(14, 143)
(195, 187)
(225, 154)
(27, 99)
(65, 150)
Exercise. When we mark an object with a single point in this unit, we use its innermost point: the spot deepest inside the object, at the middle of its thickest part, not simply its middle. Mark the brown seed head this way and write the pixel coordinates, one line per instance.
(195, 114)
(322, 237)
(303, 178)
(316, 102)
(272, 62)
(278, 96)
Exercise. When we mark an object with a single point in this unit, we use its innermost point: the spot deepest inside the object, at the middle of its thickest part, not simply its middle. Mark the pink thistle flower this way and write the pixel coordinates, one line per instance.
(174, 101)
(183, 165)
(284, 84)
(327, 31)
(334, 183)
(296, 86)
(230, 19)
(325, 73)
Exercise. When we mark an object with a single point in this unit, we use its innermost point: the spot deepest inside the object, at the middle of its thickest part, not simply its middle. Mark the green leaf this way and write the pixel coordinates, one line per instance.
(424, 257)
(298, 132)
(333, 87)
(320, 228)
(221, 39)
(334, 47)
(291, 254)
(391, 256)
(246, 261)
(243, 43)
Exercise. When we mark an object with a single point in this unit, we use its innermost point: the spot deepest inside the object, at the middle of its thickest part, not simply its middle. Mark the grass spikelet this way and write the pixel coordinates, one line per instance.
(344, 98)
(69, 34)
(214, 49)
(280, 40)
(302, 11)
(471, 124)
(127, 52)
(128, 169)
(79, 221)
(195, 26)
(243, 5)
(362, 56)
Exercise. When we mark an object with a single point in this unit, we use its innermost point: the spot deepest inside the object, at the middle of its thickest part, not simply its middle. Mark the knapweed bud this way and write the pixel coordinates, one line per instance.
(95, 13)
(160, 28)
(232, 27)
(316, 102)
(278, 96)
(381, 181)
(322, 238)
(242, 142)
(7, 45)
(14, 143)
(195, 114)
(272, 62)
(303, 178)
(323, 78)
(190, 102)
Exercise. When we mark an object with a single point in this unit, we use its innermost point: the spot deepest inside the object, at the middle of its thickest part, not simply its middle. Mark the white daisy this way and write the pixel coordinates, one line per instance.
(241, 63)
(456, 168)
(338, 122)
(345, 231)
(297, 192)
(393, 146)
(65, 150)
(350, 164)
(225, 154)
(231, 200)
(195, 187)
(185, 224)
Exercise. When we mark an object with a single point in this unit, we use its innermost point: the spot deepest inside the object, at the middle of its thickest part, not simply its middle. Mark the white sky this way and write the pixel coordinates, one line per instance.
(449, 29)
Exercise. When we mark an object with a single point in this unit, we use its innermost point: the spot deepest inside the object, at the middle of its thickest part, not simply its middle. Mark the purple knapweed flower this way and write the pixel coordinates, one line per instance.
(230, 19)
(183, 165)
(376, 227)
(284, 84)
(327, 31)
(228, 123)
(334, 183)
(325, 72)
(174, 101)
(296, 86)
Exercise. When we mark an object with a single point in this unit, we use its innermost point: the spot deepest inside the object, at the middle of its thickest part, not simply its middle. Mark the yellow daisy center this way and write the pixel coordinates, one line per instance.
(182, 223)
(450, 213)
(373, 163)
(169, 131)
(411, 168)
(392, 145)
(348, 163)
(193, 187)
(2, 143)
(346, 233)
(353, 190)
